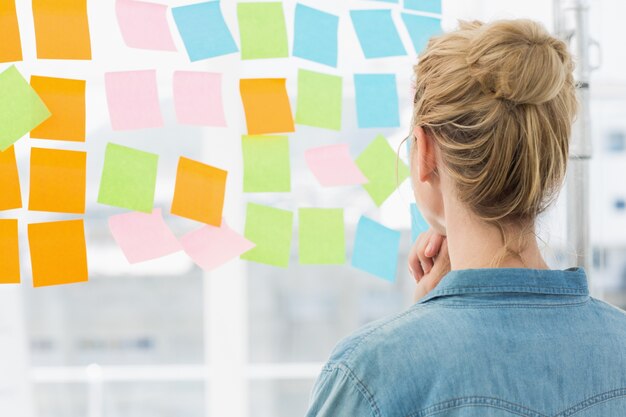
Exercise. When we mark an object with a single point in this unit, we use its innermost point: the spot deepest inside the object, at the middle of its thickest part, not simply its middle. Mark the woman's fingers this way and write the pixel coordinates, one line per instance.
(432, 249)
(415, 267)
(423, 253)
(425, 261)
(441, 267)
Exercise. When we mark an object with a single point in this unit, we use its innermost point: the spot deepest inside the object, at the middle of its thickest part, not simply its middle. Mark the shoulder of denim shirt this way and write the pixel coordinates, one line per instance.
(373, 337)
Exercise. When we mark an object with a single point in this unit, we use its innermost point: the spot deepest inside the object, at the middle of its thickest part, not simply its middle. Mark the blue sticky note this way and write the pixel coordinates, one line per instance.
(418, 222)
(430, 6)
(377, 33)
(420, 29)
(376, 100)
(315, 35)
(203, 30)
(376, 249)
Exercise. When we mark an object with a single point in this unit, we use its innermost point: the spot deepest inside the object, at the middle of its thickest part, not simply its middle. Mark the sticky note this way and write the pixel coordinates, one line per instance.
(144, 25)
(128, 178)
(11, 46)
(420, 29)
(133, 99)
(203, 30)
(271, 230)
(377, 33)
(321, 236)
(65, 99)
(430, 6)
(315, 35)
(418, 222)
(378, 162)
(333, 166)
(62, 29)
(210, 246)
(199, 192)
(10, 192)
(21, 109)
(266, 105)
(198, 98)
(266, 166)
(58, 254)
(376, 100)
(143, 236)
(9, 252)
(57, 180)
(262, 30)
(319, 100)
(376, 249)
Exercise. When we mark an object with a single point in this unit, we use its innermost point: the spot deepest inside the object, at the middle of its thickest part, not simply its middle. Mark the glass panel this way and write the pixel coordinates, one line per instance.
(298, 314)
(153, 317)
(154, 399)
(56, 400)
(281, 398)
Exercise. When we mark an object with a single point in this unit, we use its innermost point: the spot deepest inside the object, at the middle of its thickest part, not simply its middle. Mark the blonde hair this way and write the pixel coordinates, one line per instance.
(499, 100)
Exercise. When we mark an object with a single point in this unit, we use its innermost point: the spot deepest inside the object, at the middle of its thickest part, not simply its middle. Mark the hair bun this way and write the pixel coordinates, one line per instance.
(521, 63)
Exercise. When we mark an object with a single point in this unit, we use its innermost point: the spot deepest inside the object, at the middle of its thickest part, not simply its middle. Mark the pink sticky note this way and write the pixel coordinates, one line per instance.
(333, 166)
(144, 25)
(133, 99)
(210, 246)
(198, 98)
(143, 236)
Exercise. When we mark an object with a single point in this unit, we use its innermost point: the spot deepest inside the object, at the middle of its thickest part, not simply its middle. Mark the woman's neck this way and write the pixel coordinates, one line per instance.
(472, 244)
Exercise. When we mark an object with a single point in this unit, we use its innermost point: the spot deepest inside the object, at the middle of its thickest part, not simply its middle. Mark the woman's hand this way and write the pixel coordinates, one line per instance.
(428, 261)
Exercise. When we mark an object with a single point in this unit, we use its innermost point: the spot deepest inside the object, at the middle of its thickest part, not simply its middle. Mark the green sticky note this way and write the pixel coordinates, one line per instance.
(266, 164)
(321, 238)
(128, 178)
(262, 30)
(21, 109)
(270, 229)
(378, 163)
(319, 100)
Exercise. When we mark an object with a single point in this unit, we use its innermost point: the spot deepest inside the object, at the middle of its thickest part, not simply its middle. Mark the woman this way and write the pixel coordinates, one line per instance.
(494, 331)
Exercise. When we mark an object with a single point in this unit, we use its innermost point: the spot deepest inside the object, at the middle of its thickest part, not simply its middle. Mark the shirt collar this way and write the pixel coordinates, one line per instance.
(570, 281)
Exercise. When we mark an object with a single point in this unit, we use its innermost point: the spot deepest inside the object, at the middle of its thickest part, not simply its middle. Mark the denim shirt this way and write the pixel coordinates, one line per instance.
(485, 343)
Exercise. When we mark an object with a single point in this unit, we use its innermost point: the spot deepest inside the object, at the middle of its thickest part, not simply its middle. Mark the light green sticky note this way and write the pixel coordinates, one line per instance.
(21, 109)
(319, 100)
(321, 236)
(128, 178)
(266, 164)
(262, 30)
(270, 229)
(378, 163)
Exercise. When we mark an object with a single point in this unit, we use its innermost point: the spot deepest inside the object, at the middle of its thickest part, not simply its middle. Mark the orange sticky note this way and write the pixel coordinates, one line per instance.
(10, 45)
(62, 29)
(9, 252)
(266, 105)
(199, 192)
(58, 253)
(57, 180)
(10, 194)
(65, 98)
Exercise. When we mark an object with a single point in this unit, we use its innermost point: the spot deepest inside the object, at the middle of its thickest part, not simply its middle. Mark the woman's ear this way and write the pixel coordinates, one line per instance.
(424, 154)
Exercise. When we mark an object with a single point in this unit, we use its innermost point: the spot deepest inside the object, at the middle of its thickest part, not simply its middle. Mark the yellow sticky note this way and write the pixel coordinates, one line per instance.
(65, 98)
(9, 252)
(62, 29)
(10, 46)
(57, 180)
(199, 192)
(58, 253)
(10, 194)
(266, 105)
